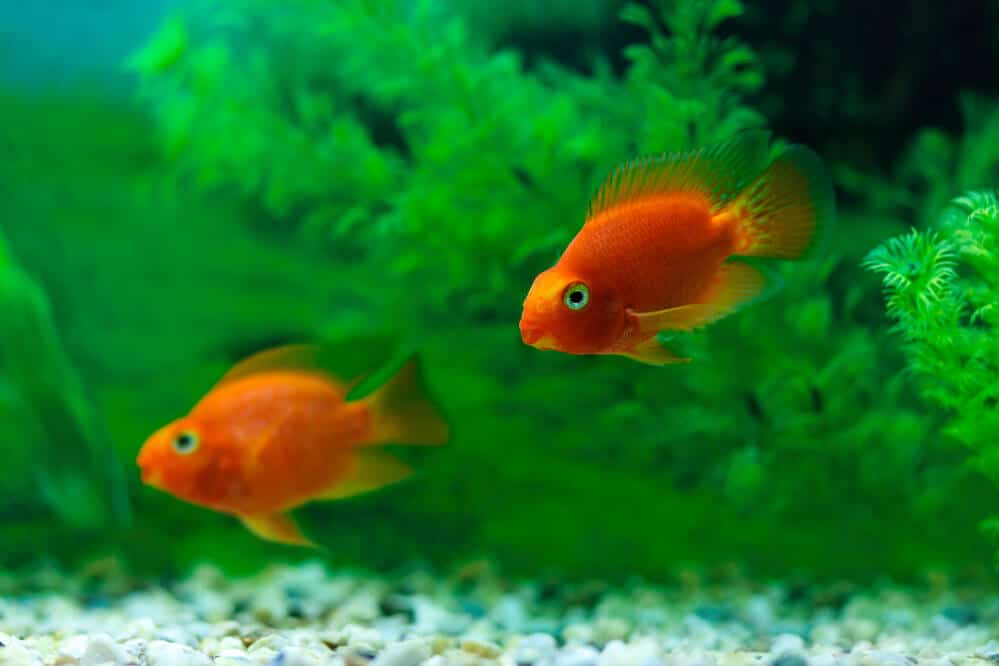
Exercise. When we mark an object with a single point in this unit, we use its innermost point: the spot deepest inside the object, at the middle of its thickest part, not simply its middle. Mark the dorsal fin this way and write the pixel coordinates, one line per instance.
(346, 362)
(719, 172)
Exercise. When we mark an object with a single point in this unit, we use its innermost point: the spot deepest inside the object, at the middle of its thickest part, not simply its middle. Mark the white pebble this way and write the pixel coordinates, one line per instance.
(295, 656)
(618, 653)
(578, 656)
(73, 647)
(787, 643)
(102, 650)
(405, 653)
(271, 641)
(13, 653)
(163, 653)
(534, 648)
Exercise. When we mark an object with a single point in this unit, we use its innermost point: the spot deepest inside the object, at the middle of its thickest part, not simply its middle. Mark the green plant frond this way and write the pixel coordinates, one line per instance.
(941, 288)
(917, 269)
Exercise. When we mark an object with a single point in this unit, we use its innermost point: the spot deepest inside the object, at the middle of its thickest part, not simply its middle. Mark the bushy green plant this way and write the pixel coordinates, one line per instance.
(942, 291)
(691, 83)
(385, 126)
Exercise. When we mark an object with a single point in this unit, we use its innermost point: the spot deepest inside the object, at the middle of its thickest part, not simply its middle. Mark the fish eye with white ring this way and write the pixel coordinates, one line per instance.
(186, 443)
(576, 296)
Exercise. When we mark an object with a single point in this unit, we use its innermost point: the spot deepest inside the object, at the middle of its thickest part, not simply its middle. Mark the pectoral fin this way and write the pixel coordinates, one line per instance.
(736, 285)
(279, 527)
(370, 470)
(653, 352)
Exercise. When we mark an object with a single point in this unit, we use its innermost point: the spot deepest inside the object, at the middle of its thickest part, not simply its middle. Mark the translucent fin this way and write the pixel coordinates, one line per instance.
(789, 210)
(736, 285)
(346, 362)
(403, 412)
(371, 470)
(718, 172)
(652, 352)
(279, 527)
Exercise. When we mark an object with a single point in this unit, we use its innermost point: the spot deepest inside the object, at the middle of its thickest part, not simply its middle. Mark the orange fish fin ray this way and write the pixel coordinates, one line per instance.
(403, 412)
(278, 527)
(736, 285)
(652, 352)
(789, 210)
(302, 357)
(719, 172)
(347, 361)
(370, 470)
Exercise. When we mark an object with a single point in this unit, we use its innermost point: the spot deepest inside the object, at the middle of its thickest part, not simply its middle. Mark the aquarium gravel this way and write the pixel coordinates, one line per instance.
(301, 615)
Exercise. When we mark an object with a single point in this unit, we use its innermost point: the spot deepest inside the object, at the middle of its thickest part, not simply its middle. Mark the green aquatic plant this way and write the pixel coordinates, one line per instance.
(933, 165)
(50, 425)
(690, 82)
(942, 291)
(387, 132)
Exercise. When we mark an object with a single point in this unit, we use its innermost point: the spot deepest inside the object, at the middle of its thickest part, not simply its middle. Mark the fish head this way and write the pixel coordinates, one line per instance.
(565, 311)
(182, 459)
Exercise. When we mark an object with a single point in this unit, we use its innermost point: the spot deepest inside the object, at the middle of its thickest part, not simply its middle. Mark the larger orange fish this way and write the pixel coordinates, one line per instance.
(278, 431)
(657, 250)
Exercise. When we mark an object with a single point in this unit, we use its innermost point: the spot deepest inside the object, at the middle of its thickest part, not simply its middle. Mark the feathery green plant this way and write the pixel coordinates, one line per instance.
(942, 291)
(690, 82)
(386, 131)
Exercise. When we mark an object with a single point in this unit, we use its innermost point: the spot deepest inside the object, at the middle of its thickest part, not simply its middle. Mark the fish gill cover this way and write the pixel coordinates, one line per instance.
(329, 168)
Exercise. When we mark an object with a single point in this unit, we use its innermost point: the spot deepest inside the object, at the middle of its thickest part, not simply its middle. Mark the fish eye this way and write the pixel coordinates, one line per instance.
(185, 443)
(576, 296)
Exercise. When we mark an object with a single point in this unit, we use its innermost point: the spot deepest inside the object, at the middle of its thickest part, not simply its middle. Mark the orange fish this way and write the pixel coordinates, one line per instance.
(657, 250)
(279, 430)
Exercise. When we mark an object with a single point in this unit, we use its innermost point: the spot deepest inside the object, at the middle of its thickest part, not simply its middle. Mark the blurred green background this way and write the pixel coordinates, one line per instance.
(240, 174)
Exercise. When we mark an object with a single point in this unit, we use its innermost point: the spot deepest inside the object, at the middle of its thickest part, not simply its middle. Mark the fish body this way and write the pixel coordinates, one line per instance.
(660, 246)
(278, 432)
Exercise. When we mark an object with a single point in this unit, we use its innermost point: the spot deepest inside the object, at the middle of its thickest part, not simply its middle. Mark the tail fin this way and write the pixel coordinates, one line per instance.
(788, 210)
(403, 411)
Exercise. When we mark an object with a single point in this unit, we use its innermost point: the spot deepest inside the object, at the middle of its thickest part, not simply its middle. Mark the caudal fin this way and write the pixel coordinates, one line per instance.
(788, 210)
(403, 411)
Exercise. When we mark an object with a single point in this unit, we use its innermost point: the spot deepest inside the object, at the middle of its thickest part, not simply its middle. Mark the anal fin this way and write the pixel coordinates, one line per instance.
(736, 284)
(653, 352)
(370, 470)
(279, 527)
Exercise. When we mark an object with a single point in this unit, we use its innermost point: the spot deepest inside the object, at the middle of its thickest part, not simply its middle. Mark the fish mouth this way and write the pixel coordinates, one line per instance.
(150, 477)
(536, 337)
(545, 343)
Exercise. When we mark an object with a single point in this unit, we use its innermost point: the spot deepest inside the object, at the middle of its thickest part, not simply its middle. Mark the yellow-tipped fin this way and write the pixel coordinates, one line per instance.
(737, 284)
(369, 471)
(652, 352)
(718, 172)
(787, 211)
(277, 527)
(403, 413)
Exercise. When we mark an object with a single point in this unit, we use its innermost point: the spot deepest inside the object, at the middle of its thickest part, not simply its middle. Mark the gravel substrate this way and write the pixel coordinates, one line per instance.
(306, 615)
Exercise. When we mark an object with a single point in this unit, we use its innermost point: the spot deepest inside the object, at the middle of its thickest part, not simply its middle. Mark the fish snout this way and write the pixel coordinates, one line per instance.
(535, 335)
(147, 470)
(148, 475)
(530, 333)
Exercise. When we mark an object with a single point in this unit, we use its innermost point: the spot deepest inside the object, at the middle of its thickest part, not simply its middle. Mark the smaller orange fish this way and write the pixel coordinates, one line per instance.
(278, 431)
(664, 244)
